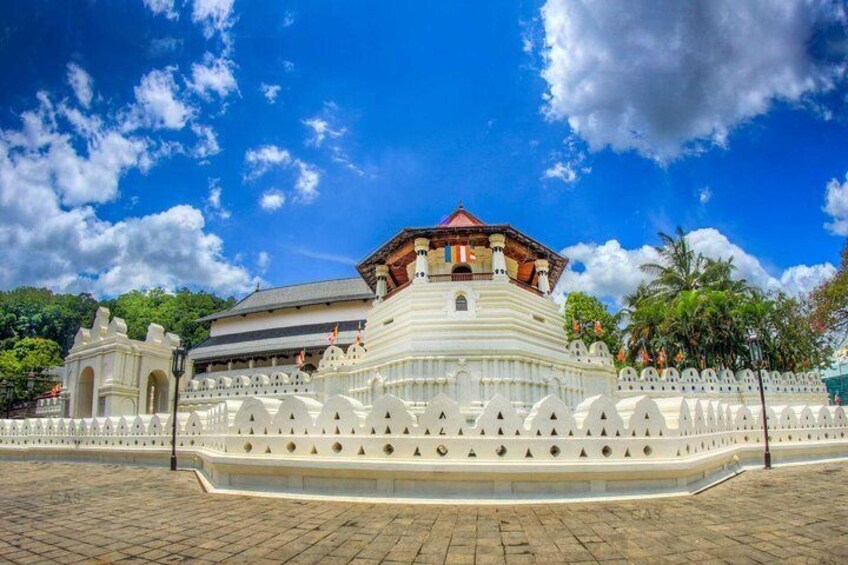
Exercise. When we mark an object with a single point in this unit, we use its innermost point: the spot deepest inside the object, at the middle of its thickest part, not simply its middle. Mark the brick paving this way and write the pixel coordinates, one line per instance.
(87, 513)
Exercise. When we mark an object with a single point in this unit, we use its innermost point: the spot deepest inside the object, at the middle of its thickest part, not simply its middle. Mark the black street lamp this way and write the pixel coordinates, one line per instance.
(756, 351)
(178, 362)
(7, 390)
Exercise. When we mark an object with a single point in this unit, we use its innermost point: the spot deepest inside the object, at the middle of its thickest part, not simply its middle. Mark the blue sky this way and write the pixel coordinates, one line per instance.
(213, 143)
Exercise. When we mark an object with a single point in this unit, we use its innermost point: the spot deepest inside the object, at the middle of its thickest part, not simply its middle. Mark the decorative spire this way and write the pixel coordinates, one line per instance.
(460, 205)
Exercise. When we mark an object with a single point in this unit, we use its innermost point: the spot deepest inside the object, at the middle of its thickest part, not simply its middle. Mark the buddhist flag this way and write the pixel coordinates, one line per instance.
(661, 358)
(459, 254)
(300, 359)
(678, 359)
(334, 335)
(359, 334)
(622, 355)
(598, 328)
(575, 326)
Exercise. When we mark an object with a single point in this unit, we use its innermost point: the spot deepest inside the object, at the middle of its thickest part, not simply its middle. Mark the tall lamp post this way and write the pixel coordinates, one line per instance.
(7, 390)
(178, 362)
(756, 351)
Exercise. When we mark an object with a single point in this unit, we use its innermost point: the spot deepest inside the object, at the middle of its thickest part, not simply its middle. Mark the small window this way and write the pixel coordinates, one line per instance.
(461, 303)
(461, 269)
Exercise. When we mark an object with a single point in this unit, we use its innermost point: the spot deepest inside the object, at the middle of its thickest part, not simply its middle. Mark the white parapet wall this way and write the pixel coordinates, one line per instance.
(300, 446)
(741, 387)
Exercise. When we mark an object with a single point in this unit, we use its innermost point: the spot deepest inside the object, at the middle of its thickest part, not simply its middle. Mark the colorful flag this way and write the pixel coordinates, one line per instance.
(459, 254)
(300, 359)
(678, 359)
(359, 334)
(644, 358)
(334, 335)
(622, 355)
(598, 328)
(575, 326)
(662, 359)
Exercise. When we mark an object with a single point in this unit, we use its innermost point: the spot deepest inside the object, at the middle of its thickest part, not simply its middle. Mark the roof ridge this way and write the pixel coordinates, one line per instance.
(304, 284)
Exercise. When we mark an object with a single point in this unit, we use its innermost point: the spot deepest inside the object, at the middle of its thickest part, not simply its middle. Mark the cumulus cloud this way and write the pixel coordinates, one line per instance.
(611, 271)
(54, 170)
(215, 74)
(216, 16)
(836, 206)
(262, 159)
(705, 195)
(306, 186)
(81, 83)
(213, 201)
(207, 142)
(270, 91)
(163, 8)
(663, 78)
(561, 171)
(158, 102)
(263, 261)
(272, 200)
(321, 129)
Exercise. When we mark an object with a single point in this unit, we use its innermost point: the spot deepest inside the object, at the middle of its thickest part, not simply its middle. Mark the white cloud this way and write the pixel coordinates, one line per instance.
(836, 206)
(288, 66)
(207, 141)
(163, 8)
(214, 75)
(51, 235)
(610, 271)
(663, 78)
(262, 159)
(80, 82)
(562, 171)
(272, 200)
(288, 19)
(213, 15)
(801, 279)
(705, 195)
(158, 102)
(213, 201)
(263, 261)
(306, 186)
(321, 129)
(270, 91)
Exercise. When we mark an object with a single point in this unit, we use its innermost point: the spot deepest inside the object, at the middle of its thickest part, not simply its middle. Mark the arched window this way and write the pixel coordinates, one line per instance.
(461, 269)
(309, 368)
(461, 303)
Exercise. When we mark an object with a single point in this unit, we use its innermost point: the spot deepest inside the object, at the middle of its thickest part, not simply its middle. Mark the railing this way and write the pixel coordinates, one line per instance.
(461, 277)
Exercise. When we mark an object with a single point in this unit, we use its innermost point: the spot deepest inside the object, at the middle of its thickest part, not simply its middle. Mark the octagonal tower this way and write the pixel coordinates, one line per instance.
(464, 309)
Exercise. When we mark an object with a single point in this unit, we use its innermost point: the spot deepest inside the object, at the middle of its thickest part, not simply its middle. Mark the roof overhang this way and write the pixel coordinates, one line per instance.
(401, 247)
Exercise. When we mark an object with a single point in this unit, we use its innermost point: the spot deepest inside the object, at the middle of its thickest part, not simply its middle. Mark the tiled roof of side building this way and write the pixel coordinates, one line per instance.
(305, 294)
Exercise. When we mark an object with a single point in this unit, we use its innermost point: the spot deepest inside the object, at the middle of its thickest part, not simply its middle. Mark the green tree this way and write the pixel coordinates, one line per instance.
(585, 310)
(38, 312)
(31, 354)
(694, 314)
(176, 312)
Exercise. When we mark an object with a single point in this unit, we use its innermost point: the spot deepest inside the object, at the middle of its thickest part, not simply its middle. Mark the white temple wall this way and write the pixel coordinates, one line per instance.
(634, 446)
(315, 314)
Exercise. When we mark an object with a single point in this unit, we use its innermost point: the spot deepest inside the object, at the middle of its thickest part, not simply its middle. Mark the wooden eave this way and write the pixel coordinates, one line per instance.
(399, 251)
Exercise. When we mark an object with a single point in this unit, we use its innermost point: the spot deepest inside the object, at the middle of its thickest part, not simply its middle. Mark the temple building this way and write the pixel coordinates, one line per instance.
(443, 371)
(269, 328)
(461, 308)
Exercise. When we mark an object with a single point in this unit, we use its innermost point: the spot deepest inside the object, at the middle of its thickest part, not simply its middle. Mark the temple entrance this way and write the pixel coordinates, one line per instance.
(85, 394)
(156, 397)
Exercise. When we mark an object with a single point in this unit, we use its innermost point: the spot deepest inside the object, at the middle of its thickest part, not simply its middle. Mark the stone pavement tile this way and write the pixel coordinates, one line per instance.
(740, 521)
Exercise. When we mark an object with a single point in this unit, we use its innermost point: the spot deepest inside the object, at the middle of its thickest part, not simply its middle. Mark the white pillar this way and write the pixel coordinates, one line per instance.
(382, 272)
(422, 267)
(497, 243)
(542, 269)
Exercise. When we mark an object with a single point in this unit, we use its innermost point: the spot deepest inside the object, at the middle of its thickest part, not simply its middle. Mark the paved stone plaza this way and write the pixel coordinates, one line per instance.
(86, 513)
